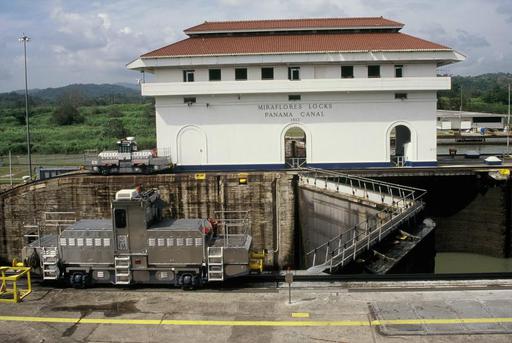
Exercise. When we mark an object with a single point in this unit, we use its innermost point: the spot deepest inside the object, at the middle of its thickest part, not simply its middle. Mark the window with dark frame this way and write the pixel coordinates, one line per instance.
(293, 73)
(188, 76)
(347, 72)
(294, 97)
(399, 70)
(374, 71)
(214, 74)
(267, 73)
(120, 218)
(189, 100)
(240, 74)
(401, 96)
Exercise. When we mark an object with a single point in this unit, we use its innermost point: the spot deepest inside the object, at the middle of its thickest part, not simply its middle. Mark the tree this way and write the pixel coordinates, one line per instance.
(115, 128)
(67, 114)
(115, 113)
(20, 117)
(149, 112)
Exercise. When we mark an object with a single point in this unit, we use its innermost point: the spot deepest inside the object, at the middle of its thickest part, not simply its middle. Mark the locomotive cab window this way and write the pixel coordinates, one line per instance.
(120, 218)
(125, 148)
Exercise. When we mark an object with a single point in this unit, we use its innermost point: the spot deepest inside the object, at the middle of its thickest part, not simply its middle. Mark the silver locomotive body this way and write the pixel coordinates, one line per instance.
(128, 159)
(137, 246)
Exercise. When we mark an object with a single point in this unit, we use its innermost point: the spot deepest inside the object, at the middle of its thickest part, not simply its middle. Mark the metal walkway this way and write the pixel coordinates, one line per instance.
(398, 203)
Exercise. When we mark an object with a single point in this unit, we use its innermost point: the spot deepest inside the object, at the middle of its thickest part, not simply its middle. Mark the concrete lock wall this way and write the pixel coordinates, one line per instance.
(323, 216)
(268, 196)
(480, 227)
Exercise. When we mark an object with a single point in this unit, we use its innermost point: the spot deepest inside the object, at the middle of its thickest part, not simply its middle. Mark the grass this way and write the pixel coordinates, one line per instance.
(97, 132)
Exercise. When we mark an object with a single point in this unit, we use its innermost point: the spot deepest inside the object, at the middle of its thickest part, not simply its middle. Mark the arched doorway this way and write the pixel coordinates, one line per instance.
(191, 146)
(295, 147)
(400, 148)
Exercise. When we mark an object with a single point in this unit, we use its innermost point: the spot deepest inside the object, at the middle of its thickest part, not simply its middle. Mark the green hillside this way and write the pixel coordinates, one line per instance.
(100, 128)
(75, 118)
(84, 94)
(482, 93)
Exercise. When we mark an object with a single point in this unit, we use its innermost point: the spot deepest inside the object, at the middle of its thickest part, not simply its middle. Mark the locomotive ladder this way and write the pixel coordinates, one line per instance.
(123, 275)
(49, 263)
(215, 263)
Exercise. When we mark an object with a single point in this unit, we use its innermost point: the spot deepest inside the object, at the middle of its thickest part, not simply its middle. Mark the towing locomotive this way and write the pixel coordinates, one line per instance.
(128, 159)
(137, 246)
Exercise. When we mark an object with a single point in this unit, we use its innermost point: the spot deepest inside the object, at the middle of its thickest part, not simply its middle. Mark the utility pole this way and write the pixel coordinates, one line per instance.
(460, 108)
(508, 123)
(25, 39)
(460, 112)
(10, 166)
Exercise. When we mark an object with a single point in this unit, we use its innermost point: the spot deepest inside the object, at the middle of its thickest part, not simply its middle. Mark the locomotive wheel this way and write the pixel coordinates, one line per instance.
(79, 280)
(146, 170)
(189, 281)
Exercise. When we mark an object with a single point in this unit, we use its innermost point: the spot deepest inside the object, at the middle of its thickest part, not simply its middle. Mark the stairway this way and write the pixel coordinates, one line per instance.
(49, 263)
(215, 264)
(122, 267)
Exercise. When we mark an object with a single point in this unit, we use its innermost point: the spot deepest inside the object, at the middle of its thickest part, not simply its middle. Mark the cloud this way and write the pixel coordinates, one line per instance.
(77, 31)
(505, 8)
(87, 40)
(471, 40)
(91, 41)
(5, 74)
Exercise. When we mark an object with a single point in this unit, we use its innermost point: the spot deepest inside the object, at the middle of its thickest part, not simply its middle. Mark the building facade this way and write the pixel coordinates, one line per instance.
(273, 94)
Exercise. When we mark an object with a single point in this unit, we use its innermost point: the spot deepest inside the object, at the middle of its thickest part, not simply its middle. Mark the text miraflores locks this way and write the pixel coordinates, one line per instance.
(295, 111)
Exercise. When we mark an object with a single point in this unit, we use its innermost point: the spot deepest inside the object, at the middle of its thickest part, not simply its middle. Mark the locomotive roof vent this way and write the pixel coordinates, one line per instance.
(127, 194)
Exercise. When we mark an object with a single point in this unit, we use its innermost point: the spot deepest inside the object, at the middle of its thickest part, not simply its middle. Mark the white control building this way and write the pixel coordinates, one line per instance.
(272, 94)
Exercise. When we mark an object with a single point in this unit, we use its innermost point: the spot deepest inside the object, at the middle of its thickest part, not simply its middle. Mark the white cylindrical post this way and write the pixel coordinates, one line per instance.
(10, 166)
(508, 123)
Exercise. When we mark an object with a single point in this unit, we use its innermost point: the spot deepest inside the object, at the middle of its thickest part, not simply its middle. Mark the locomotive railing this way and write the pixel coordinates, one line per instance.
(234, 226)
(55, 220)
(400, 203)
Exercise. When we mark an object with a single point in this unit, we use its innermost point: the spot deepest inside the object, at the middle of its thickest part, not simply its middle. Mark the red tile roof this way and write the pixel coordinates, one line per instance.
(276, 44)
(293, 24)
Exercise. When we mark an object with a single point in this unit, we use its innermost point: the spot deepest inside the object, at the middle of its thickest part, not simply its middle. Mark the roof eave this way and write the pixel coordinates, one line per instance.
(339, 28)
(302, 52)
(136, 64)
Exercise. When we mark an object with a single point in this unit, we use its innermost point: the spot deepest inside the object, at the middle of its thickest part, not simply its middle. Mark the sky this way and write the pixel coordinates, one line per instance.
(91, 41)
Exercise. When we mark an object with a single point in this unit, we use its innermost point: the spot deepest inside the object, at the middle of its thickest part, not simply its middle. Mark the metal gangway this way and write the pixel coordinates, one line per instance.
(398, 203)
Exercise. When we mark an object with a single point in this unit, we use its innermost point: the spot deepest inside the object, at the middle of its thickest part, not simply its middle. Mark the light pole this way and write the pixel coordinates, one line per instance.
(508, 122)
(24, 39)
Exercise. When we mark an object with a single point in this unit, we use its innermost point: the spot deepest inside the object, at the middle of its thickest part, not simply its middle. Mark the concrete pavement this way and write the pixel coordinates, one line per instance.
(365, 312)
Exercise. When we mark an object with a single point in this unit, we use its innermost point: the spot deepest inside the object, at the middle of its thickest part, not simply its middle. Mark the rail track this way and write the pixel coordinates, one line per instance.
(275, 281)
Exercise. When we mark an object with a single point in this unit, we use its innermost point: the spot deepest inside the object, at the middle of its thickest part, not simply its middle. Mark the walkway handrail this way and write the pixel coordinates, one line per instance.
(329, 173)
(405, 201)
(354, 229)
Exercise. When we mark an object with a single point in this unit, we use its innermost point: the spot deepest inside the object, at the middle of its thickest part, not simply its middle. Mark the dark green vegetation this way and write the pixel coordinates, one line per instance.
(75, 121)
(482, 93)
